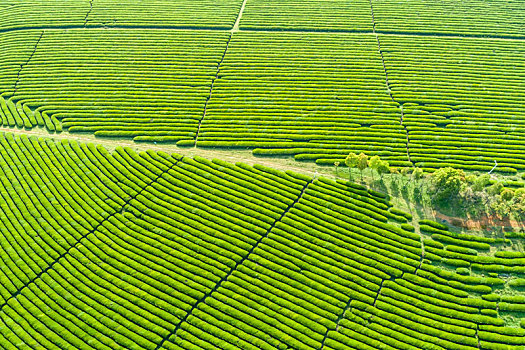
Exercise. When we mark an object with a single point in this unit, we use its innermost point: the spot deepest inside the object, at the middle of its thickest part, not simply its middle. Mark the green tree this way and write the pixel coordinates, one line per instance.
(495, 189)
(383, 168)
(405, 172)
(336, 167)
(351, 162)
(418, 174)
(446, 184)
(481, 182)
(501, 208)
(373, 163)
(507, 194)
(362, 163)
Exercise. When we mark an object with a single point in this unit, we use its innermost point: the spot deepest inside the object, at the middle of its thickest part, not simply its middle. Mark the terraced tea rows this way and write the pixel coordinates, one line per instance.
(16, 50)
(16, 14)
(180, 13)
(26, 14)
(312, 96)
(312, 15)
(118, 83)
(468, 17)
(463, 99)
(150, 251)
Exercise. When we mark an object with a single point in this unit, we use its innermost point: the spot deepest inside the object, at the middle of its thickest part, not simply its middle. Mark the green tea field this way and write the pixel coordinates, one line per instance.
(178, 174)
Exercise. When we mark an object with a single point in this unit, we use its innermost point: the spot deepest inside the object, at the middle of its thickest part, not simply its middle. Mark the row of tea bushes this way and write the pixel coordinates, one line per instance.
(220, 14)
(468, 17)
(309, 95)
(119, 268)
(316, 97)
(121, 83)
(16, 49)
(463, 100)
(146, 250)
(21, 14)
(309, 15)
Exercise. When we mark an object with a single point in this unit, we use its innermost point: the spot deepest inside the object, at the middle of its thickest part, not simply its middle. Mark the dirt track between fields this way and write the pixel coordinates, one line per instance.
(232, 156)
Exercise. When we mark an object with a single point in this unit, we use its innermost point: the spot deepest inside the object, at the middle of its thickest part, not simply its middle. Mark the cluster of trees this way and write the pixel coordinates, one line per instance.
(362, 161)
(476, 194)
(473, 194)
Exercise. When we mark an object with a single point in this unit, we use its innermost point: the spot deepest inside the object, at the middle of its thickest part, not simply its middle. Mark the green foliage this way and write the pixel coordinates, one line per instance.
(362, 162)
(446, 184)
(518, 282)
(351, 160)
(463, 271)
(480, 182)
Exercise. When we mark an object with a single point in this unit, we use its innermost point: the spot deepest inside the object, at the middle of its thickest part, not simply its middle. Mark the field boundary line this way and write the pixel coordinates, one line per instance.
(389, 90)
(225, 29)
(50, 266)
(234, 268)
(23, 65)
(88, 13)
(336, 329)
(232, 156)
(234, 29)
(211, 89)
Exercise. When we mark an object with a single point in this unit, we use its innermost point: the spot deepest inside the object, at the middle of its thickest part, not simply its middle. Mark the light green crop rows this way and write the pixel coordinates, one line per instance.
(180, 13)
(335, 15)
(147, 251)
(310, 95)
(117, 83)
(19, 14)
(314, 96)
(16, 49)
(466, 17)
(42, 13)
(463, 99)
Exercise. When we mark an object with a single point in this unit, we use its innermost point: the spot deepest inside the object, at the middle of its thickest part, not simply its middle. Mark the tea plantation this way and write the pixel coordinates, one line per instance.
(149, 250)
(310, 79)
(117, 248)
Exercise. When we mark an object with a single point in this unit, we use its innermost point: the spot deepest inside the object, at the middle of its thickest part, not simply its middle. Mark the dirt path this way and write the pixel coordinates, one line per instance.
(232, 156)
(239, 16)
(482, 223)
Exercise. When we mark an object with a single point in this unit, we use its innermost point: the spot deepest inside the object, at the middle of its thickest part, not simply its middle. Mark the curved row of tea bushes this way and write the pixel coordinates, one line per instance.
(145, 250)
(120, 82)
(22, 116)
(323, 251)
(121, 285)
(49, 200)
(470, 17)
(305, 95)
(462, 99)
(308, 15)
(328, 277)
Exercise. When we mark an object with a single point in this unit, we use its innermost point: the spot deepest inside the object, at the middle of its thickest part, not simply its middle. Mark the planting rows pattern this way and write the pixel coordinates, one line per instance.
(150, 251)
(314, 96)
(313, 15)
(25, 14)
(140, 83)
(470, 18)
(463, 100)
(309, 95)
